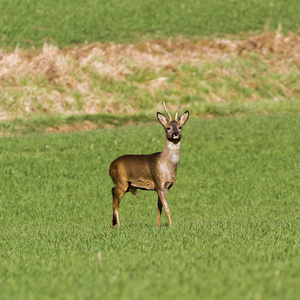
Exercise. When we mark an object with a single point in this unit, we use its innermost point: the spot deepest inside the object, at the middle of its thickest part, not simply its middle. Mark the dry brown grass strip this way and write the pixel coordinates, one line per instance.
(68, 70)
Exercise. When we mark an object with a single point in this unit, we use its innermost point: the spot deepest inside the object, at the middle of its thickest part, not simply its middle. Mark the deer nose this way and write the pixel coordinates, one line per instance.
(175, 135)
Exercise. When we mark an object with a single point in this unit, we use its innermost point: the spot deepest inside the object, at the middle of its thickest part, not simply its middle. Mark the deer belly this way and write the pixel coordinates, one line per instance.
(143, 184)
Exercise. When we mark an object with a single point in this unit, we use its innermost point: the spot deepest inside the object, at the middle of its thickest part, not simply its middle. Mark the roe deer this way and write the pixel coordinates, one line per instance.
(154, 172)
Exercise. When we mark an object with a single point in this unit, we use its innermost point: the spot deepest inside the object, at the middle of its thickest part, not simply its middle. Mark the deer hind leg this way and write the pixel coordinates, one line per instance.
(159, 209)
(162, 197)
(117, 193)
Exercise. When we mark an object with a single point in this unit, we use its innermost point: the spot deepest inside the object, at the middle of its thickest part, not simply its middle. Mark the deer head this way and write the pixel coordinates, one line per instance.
(173, 128)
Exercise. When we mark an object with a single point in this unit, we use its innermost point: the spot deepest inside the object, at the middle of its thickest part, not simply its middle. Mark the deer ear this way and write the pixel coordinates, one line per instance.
(183, 118)
(161, 119)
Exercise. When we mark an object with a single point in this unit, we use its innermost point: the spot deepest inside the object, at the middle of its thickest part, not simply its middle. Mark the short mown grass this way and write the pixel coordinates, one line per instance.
(32, 23)
(234, 207)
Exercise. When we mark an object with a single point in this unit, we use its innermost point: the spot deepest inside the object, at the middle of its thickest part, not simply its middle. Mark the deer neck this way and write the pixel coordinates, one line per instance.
(171, 152)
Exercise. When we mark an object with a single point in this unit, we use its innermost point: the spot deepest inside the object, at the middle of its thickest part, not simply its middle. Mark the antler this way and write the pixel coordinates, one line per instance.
(170, 118)
(176, 115)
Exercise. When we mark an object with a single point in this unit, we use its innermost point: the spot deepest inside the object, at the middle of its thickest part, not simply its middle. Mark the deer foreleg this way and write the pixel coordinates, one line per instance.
(163, 199)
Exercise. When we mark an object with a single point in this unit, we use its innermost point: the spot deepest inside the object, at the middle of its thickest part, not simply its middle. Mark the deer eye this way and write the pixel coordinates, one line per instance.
(168, 128)
(179, 127)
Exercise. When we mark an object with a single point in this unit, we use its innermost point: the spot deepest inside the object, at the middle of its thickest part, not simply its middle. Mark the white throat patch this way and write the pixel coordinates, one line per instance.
(173, 152)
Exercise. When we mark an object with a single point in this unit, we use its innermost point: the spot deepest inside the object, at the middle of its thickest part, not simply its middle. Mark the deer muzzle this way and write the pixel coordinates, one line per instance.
(175, 135)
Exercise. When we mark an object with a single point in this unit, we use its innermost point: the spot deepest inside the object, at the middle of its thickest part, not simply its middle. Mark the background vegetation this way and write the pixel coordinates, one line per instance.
(31, 23)
(219, 77)
(220, 59)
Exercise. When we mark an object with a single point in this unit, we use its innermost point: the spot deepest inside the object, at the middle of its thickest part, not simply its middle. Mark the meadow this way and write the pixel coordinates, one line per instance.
(63, 64)
(32, 23)
(234, 207)
(96, 73)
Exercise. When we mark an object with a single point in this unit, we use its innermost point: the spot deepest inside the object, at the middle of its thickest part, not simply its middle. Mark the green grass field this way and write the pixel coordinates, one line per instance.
(31, 23)
(235, 206)
(235, 210)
